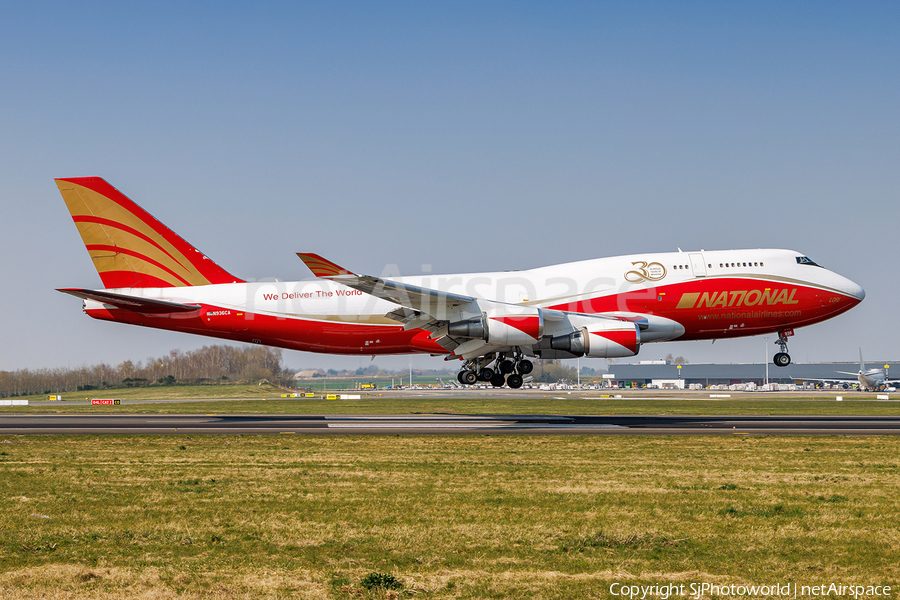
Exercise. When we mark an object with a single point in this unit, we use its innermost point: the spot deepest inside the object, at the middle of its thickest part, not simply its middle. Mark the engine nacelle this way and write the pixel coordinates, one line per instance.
(615, 339)
(473, 328)
(524, 327)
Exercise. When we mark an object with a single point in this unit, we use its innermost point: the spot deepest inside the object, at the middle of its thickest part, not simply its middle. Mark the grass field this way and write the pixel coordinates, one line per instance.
(262, 399)
(448, 517)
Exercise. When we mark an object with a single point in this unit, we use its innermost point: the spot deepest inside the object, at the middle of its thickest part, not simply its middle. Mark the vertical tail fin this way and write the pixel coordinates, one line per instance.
(862, 365)
(129, 247)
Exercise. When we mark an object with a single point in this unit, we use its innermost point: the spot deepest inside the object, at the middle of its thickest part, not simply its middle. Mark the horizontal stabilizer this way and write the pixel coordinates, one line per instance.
(133, 303)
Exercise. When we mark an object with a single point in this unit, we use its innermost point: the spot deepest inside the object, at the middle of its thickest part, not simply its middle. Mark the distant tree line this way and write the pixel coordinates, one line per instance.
(210, 364)
(376, 371)
(678, 360)
(551, 371)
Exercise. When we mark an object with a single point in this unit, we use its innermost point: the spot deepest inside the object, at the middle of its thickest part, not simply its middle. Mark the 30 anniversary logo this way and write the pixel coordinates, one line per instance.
(645, 272)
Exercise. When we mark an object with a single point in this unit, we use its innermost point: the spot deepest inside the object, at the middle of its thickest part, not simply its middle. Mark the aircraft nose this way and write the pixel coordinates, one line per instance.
(855, 290)
(843, 285)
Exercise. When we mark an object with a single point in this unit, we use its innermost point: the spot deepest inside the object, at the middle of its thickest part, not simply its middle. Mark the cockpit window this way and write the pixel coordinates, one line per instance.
(805, 260)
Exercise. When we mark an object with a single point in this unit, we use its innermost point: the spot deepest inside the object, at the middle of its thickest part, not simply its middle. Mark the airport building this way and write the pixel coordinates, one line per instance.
(666, 375)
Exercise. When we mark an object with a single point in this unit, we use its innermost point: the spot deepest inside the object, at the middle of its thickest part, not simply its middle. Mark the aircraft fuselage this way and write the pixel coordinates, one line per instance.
(682, 295)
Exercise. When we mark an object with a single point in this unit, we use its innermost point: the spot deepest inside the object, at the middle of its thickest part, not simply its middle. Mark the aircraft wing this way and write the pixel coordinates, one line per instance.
(419, 307)
(413, 298)
(853, 381)
(433, 310)
(133, 303)
(439, 312)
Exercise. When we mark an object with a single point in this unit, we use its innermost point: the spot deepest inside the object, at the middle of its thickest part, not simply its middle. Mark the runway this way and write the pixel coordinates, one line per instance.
(447, 424)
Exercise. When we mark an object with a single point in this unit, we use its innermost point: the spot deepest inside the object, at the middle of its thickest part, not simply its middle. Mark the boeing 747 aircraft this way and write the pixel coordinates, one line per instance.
(495, 323)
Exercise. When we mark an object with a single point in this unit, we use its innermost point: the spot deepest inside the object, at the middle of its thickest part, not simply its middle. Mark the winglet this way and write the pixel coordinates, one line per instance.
(322, 267)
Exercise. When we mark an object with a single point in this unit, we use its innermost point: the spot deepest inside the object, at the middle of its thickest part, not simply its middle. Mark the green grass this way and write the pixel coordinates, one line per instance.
(170, 392)
(266, 399)
(445, 517)
(233, 390)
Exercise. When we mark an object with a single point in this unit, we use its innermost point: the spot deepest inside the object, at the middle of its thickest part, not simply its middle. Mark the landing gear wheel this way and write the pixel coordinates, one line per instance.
(485, 374)
(525, 367)
(459, 377)
(507, 366)
(468, 377)
(498, 380)
(514, 381)
(782, 359)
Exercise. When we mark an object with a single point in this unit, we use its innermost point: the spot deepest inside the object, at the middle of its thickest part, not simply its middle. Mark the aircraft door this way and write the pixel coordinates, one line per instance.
(698, 265)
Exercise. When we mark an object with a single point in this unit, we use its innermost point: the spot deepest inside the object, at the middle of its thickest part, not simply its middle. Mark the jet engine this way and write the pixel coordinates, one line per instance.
(612, 339)
(524, 327)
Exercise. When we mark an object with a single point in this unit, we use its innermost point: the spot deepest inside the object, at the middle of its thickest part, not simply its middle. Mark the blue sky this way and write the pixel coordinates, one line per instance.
(465, 136)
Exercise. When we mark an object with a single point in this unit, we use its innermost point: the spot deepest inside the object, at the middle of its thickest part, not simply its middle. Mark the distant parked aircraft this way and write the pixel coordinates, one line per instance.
(868, 379)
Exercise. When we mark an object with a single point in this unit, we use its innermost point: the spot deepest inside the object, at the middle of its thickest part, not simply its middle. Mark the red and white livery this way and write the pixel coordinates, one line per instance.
(496, 323)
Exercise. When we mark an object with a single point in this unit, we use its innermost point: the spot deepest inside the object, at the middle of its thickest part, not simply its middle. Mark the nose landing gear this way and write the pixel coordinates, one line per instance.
(783, 359)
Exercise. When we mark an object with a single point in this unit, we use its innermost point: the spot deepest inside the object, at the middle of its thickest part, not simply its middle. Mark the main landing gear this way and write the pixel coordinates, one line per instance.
(783, 359)
(505, 370)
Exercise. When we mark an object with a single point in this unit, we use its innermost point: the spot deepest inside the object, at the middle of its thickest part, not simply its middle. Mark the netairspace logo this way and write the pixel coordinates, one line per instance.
(778, 590)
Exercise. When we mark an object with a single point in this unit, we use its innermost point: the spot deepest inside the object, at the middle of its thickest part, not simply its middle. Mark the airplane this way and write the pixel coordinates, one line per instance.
(869, 379)
(495, 323)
